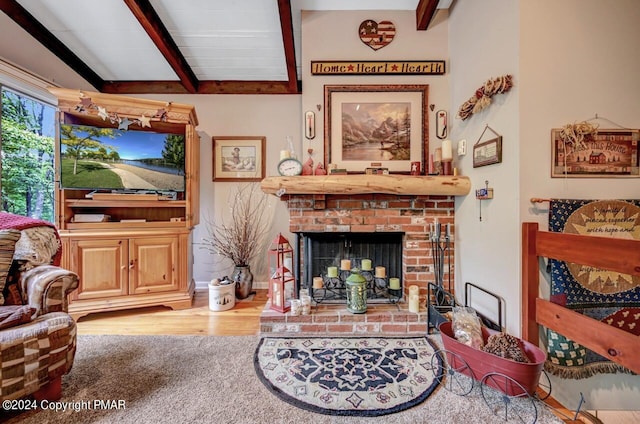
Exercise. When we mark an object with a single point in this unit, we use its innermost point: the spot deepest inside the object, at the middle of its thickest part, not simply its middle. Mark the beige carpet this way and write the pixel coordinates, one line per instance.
(207, 379)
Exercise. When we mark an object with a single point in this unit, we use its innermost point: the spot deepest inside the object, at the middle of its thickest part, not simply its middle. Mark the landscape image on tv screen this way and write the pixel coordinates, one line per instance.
(113, 159)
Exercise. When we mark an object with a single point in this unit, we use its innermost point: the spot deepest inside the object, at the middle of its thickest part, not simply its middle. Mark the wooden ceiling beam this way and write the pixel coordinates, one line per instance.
(204, 87)
(26, 20)
(425, 11)
(152, 24)
(188, 82)
(286, 24)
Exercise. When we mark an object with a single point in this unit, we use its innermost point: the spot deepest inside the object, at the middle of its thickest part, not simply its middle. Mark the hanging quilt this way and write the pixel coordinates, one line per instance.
(608, 296)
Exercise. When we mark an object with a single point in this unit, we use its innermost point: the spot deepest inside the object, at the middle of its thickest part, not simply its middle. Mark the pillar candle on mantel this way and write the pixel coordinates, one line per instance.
(332, 272)
(365, 265)
(431, 167)
(285, 154)
(438, 155)
(447, 151)
(381, 272)
(394, 283)
(414, 290)
(345, 264)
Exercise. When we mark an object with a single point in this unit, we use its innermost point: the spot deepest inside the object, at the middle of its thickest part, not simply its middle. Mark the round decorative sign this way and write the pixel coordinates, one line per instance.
(606, 218)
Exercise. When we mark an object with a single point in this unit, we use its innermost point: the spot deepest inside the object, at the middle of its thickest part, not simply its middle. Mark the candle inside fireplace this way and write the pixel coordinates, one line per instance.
(317, 282)
(345, 264)
(366, 264)
(380, 272)
(332, 272)
(394, 283)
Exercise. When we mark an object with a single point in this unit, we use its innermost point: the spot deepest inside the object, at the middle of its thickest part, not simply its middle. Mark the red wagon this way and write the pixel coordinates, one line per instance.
(516, 382)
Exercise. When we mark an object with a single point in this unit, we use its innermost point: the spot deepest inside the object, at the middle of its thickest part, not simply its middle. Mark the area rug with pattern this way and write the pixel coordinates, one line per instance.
(363, 376)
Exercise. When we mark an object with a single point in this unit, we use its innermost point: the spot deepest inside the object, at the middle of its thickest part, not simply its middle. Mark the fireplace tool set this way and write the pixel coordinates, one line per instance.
(440, 251)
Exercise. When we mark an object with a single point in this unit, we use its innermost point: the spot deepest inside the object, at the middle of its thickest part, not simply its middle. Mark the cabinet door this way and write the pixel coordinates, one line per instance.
(154, 261)
(101, 266)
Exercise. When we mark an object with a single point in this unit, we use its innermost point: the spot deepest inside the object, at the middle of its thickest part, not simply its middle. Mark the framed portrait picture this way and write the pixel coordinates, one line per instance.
(381, 125)
(239, 158)
(608, 153)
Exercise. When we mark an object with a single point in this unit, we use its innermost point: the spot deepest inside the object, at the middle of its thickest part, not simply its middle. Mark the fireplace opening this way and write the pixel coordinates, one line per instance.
(324, 250)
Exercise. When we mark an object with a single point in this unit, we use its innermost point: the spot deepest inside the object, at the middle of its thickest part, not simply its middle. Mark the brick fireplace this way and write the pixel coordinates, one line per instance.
(408, 214)
(377, 213)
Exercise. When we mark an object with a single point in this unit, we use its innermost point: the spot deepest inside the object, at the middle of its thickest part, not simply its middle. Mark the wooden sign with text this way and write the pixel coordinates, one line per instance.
(611, 153)
(366, 67)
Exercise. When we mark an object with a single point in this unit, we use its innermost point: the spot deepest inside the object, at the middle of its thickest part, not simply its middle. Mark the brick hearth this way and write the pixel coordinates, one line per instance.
(330, 319)
(369, 213)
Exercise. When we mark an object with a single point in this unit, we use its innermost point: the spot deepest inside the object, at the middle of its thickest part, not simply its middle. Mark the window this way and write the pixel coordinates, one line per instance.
(27, 131)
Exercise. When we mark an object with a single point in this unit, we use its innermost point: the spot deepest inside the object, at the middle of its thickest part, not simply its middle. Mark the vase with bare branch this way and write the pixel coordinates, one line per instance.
(240, 236)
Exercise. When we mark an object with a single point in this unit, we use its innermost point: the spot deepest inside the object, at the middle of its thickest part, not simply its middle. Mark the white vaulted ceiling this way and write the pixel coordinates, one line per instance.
(185, 46)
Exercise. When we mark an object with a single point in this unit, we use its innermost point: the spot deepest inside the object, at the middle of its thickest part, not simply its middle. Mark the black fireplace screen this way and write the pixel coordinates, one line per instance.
(323, 250)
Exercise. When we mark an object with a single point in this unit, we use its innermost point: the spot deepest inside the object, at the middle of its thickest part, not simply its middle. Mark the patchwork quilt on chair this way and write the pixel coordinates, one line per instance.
(610, 297)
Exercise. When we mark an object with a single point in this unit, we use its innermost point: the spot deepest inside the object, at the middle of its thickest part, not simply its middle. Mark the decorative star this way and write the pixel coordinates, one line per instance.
(123, 124)
(102, 112)
(86, 101)
(145, 121)
(80, 108)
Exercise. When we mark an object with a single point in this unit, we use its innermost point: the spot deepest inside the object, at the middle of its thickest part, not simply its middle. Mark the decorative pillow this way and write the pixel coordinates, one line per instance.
(37, 246)
(8, 239)
(506, 346)
(12, 315)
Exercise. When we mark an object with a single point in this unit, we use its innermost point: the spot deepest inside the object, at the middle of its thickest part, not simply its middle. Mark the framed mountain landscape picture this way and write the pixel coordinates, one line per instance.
(376, 125)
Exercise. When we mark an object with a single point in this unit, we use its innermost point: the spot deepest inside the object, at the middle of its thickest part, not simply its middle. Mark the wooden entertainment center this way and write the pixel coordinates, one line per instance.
(142, 255)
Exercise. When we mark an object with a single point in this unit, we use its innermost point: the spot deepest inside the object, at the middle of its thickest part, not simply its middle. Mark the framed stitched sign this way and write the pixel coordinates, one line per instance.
(487, 152)
(605, 153)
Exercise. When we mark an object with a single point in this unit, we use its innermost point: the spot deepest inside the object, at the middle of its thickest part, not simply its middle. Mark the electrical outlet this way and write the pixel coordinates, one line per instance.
(462, 147)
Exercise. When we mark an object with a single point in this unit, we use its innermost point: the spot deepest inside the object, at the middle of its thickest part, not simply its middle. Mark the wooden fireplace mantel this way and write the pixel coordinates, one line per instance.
(445, 185)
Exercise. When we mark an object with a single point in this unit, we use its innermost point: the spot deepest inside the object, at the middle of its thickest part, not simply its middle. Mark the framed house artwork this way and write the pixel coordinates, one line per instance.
(488, 152)
(385, 125)
(239, 158)
(605, 153)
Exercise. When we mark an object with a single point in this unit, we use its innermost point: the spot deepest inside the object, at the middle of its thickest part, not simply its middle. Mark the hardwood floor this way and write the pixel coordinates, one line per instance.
(242, 320)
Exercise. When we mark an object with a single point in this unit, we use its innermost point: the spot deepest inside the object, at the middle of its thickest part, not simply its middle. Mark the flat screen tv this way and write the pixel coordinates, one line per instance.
(98, 158)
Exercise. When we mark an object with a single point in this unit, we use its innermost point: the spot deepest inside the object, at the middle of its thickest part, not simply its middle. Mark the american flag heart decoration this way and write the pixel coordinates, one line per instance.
(376, 34)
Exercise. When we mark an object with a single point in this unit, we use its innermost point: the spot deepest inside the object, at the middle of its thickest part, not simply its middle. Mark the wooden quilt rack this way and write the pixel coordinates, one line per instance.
(607, 253)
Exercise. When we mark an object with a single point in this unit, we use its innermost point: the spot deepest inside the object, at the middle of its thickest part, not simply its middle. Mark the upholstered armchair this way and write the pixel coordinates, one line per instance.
(37, 335)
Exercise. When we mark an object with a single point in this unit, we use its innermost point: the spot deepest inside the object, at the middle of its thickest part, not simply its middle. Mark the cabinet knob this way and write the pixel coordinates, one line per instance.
(131, 264)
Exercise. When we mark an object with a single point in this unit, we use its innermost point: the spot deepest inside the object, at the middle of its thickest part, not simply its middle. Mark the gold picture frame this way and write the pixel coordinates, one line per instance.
(382, 125)
(239, 158)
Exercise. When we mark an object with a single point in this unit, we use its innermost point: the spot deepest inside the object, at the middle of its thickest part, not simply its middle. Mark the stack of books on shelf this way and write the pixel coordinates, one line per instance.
(90, 217)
